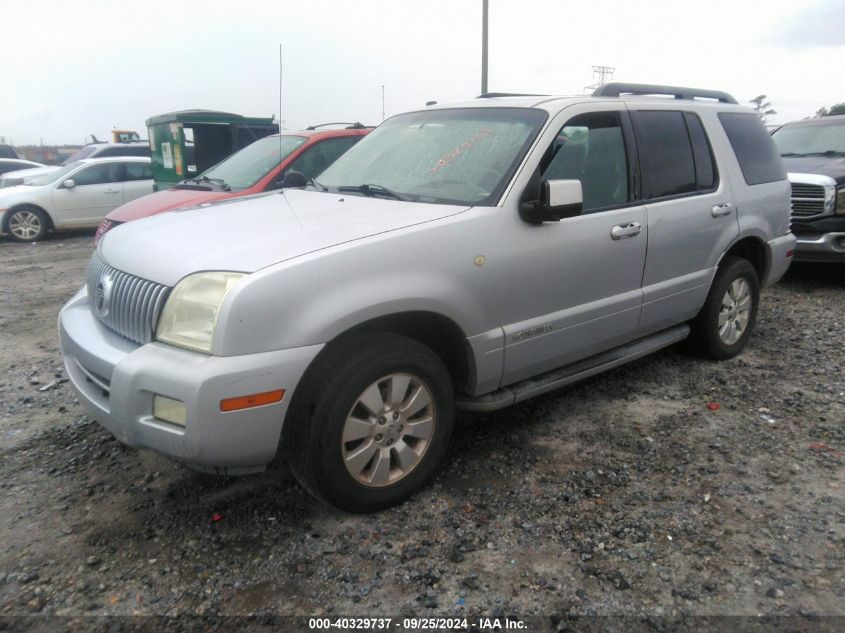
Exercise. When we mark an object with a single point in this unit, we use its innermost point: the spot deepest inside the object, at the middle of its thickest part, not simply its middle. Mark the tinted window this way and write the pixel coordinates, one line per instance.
(591, 148)
(99, 174)
(315, 159)
(665, 153)
(705, 168)
(754, 148)
(139, 171)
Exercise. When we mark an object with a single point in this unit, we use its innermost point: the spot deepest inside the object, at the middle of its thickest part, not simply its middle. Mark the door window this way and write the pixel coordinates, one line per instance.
(665, 153)
(139, 171)
(99, 174)
(316, 159)
(591, 148)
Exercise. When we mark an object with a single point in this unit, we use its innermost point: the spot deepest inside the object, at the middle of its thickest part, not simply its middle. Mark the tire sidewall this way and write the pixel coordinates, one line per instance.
(341, 391)
(728, 273)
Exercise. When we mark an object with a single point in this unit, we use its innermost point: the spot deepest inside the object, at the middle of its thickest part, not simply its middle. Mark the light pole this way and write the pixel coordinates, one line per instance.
(484, 47)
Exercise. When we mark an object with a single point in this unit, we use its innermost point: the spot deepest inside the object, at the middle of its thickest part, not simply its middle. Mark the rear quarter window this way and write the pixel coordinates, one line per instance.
(754, 148)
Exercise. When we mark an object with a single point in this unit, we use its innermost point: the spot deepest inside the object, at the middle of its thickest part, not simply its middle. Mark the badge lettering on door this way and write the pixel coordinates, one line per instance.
(534, 331)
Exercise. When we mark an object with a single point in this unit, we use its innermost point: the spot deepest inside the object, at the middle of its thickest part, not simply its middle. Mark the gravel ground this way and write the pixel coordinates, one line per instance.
(632, 493)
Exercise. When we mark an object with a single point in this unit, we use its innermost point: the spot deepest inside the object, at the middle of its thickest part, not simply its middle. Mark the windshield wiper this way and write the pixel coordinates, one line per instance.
(374, 190)
(218, 181)
(319, 186)
(793, 155)
(827, 152)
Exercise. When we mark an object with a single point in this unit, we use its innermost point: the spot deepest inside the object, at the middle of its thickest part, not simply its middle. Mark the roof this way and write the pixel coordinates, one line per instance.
(207, 116)
(838, 118)
(112, 159)
(360, 131)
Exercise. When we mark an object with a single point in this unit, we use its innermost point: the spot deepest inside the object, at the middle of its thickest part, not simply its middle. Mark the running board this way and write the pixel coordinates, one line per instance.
(578, 370)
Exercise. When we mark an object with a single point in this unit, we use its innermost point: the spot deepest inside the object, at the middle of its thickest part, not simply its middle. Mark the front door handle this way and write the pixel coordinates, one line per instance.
(621, 231)
(112, 191)
(721, 209)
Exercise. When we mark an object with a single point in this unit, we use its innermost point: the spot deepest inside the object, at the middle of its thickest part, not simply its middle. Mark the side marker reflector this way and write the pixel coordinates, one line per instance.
(255, 400)
(790, 253)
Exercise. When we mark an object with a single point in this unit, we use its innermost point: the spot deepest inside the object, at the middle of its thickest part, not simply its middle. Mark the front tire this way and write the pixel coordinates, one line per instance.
(371, 423)
(722, 328)
(26, 224)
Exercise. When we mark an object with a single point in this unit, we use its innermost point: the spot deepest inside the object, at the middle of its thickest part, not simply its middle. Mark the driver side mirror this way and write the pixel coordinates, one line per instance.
(69, 184)
(558, 199)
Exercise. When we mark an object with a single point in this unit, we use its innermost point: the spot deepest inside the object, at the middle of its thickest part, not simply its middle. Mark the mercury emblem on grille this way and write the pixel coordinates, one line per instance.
(102, 296)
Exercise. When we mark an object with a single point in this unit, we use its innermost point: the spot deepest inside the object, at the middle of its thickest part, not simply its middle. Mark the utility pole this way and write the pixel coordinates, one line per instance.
(484, 46)
(382, 102)
(601, 75)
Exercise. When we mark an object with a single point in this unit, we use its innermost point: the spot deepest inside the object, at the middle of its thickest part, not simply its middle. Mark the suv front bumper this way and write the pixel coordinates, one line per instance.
(117, 380)
(824, 247)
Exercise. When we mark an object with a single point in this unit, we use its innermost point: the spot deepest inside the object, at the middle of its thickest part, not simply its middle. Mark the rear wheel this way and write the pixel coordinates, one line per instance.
(26, 224)
(371, 423)
(722, 328)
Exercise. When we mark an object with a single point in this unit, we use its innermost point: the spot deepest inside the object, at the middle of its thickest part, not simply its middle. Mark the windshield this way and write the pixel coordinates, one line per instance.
(816, 138)
(85, 152)
(454, 156)
(253, 162)
(52, 176)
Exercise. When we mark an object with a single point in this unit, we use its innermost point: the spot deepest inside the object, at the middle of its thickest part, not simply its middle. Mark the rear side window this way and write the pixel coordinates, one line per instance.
(754, 148)
(139, 171)
(705, 168)
(665, 153)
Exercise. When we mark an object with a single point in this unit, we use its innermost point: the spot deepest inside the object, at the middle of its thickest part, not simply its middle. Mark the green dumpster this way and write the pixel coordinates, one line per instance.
(186, 143)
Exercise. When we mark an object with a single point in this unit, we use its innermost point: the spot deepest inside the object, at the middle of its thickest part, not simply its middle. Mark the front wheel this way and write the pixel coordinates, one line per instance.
(371, 423)
(26, 224)
(722, 328)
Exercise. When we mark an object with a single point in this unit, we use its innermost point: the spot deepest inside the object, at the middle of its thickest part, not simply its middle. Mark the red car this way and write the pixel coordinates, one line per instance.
(258, 167)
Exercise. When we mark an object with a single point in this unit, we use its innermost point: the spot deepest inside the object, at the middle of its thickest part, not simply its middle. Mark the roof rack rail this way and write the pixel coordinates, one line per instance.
(493, 95)
(349, 126)
(616, 89)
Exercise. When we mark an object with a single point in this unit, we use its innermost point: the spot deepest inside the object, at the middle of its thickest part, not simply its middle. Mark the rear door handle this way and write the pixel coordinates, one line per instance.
(621, 231)
(721, 209)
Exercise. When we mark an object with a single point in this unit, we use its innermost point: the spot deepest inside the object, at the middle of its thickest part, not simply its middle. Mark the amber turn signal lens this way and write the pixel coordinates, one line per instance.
(255, 400)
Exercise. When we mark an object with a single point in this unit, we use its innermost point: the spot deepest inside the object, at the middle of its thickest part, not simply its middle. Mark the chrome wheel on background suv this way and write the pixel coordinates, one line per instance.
(26, 225)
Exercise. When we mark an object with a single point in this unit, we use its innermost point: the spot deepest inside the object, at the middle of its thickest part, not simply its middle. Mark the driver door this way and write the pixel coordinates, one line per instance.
(576, 288)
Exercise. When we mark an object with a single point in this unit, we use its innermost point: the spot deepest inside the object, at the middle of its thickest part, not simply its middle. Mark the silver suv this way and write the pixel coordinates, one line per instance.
(467, 256)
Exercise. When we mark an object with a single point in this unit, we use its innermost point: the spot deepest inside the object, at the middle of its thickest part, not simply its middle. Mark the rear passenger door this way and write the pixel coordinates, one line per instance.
(138, 181)
(692, 216)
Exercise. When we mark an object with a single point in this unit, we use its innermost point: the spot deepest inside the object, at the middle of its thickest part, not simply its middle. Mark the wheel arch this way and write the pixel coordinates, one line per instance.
(753, 249)
(437, 332)
(26, 205)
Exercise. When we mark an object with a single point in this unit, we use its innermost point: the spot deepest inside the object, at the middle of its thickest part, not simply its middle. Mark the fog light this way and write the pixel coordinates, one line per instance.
(170, 410)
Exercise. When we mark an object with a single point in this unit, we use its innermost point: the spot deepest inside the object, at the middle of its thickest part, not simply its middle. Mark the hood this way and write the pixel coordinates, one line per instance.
(166, 200)
(9, 195)
(251, 233)
(824, 165)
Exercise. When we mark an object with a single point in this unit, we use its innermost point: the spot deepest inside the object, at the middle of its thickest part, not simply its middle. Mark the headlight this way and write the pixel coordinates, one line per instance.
(190, 314)
(840, 202)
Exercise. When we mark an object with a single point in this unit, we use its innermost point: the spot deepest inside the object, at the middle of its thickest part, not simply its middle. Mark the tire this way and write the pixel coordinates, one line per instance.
(722, 328)
(365, 458)
(26, 224)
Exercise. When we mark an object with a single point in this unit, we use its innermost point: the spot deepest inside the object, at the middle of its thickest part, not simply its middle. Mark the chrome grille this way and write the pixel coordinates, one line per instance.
(807, 200)
(127, 304)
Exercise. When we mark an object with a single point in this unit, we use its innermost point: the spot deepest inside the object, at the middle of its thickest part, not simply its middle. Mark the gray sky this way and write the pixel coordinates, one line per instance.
(69, 68)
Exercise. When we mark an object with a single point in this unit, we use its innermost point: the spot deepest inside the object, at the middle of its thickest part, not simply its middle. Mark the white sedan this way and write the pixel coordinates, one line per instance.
(75, 196)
